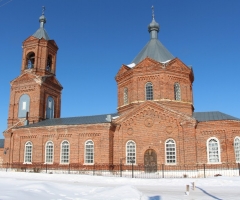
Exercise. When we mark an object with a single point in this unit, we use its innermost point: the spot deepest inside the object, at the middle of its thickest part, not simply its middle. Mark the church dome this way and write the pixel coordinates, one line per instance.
(153, 26)
(42, 18)
(154, 48)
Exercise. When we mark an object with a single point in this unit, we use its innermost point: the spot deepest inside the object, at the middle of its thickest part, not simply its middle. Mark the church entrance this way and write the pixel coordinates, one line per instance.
(150, 161)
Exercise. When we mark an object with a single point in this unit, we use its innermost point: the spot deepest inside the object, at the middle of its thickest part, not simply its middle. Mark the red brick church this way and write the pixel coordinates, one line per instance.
(155, 122)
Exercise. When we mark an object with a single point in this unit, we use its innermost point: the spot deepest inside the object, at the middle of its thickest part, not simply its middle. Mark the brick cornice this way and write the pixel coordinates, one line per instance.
(158, 107)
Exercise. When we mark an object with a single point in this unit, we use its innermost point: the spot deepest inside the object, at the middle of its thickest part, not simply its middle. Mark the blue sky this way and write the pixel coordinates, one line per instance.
(96, 37)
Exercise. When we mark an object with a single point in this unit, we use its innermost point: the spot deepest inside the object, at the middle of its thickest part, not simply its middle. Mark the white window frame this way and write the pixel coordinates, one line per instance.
(177, 91)
(86, 160)
(174, 152)
(61, 153)
(46, 152)
(146, 92)
(219, 151)
(130, 156)
(125, 96)
(237, 150)
(27, 145)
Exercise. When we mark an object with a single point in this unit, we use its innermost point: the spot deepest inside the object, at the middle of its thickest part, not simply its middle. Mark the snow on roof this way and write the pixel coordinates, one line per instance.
(131, 65)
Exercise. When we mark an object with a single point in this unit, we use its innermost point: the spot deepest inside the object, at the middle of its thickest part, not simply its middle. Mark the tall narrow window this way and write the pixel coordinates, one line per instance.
(237, 149)
(28, 153)
(131, 152)
(177, 92)
(125, 96)
(213, 150)
(23, 106)
(30, 60)
(170, 149)
(50, 108)
(65, 152)
(49, 63)
(49, 152)
(89, 152)
(149, 91)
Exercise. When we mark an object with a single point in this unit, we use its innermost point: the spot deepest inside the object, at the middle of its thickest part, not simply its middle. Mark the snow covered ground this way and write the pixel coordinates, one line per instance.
(40, 186)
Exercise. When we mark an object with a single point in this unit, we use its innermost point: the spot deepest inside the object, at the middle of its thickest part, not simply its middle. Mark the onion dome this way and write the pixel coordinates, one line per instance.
(153, 26)
(42, 20)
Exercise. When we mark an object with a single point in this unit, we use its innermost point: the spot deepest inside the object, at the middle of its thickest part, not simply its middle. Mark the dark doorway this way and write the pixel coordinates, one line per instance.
(150, 160)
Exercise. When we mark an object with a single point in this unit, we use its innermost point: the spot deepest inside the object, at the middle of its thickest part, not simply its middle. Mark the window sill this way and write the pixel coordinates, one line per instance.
(88, 163)
(129, 164)
(170, 164)
(27, 163)
(48, 163)
(64, 163)
(214, 163)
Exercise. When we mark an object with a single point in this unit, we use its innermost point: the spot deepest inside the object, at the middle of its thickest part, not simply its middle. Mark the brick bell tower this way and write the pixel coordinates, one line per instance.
(36, 93)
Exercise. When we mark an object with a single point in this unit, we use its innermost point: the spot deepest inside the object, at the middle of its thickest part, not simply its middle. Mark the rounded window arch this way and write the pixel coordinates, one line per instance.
(130, 152)
(170, 151)
(213, 150)
(49, 152)
(177, 92)
(65, 152)
(50, 108)
(125, 96)
(49, 63)
(28, 152)
(30, 60)
(89, 152)
(149, 91)
(237, 149)
(23, 105)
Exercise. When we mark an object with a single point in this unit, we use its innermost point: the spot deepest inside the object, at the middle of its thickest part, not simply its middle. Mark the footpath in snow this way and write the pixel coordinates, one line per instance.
(40, 186)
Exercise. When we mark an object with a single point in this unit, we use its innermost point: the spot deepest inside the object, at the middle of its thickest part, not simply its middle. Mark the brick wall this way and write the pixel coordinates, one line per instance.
(224, 131)
(162, 78)
(150, 126)
(76, 136)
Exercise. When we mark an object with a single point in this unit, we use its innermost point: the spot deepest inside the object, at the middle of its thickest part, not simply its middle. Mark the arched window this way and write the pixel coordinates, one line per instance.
(28, 153)
(125, 96)
(50, 108)
(23, 105)
(149, 91)
(89, 152)
(177, 92)
(237, 149)
(49, 63)
(30, 60)
(131, 152)
(213, 150)
(65, 152)
(49, 152)
(170, 149)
